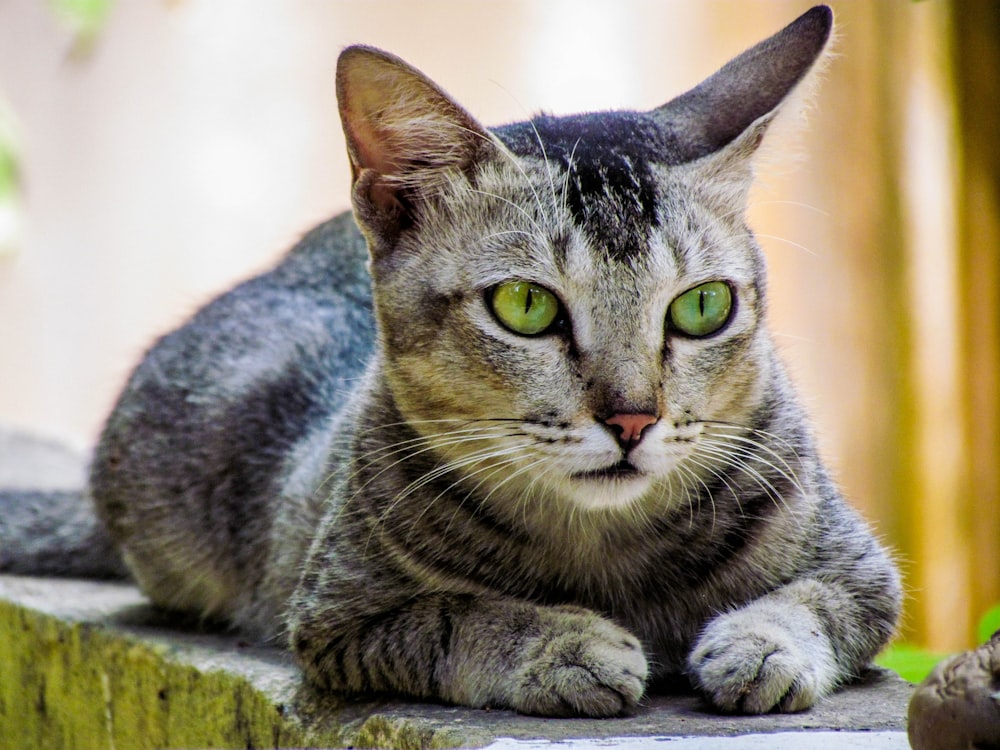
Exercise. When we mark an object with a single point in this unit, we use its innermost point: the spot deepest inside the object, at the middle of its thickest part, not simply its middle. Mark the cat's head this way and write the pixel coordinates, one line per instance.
(571, 306)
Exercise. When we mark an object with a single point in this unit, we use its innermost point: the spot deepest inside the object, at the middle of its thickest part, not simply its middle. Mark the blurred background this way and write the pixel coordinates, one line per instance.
(152, 153)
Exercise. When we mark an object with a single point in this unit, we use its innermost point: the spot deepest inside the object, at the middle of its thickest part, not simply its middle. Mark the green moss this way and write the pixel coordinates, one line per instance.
(379, 731)
(68, 684)
(74, 685)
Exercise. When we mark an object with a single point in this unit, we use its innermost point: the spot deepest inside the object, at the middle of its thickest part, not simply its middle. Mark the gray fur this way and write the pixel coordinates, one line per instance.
(444, 511)
(46, 527)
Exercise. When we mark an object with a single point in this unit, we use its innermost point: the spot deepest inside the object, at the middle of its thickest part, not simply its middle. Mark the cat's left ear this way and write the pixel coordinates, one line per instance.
(405, 138)
(718, 125)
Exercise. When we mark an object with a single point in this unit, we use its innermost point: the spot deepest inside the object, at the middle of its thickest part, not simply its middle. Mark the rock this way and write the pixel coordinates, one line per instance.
(958, 706)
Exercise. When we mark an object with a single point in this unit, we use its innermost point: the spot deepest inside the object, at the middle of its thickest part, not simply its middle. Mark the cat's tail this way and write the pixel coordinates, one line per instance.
(48, 525)
(55, 533)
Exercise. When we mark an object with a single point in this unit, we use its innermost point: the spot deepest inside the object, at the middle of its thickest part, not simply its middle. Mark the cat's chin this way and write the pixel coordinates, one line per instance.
(616, 486)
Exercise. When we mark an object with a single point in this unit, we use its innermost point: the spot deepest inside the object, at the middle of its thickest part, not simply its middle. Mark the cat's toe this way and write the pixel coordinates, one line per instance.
(583, 669)
(755, 670)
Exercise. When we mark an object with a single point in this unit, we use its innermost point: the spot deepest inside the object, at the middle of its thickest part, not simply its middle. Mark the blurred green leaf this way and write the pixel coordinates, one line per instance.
(8, 154)
(84, 17)
(913, 663)
(10, 173)
(909, 662)
(989, 624)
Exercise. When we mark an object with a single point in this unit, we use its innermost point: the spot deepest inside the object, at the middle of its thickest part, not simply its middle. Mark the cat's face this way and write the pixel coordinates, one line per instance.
(528, 307)
(570, 309)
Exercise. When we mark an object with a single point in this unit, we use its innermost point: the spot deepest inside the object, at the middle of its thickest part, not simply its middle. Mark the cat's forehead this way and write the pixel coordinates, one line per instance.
(621, 183)
(609, 168)
(605, 167)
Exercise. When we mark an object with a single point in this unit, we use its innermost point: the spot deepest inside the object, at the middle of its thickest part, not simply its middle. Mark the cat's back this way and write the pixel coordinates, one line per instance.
(308, 317)
(218, 408)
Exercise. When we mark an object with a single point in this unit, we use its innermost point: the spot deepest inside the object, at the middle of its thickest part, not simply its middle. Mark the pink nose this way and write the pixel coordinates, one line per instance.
(629, 427)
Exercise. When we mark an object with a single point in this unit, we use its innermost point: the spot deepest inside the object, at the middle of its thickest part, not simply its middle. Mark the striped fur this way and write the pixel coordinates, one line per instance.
(440, 509)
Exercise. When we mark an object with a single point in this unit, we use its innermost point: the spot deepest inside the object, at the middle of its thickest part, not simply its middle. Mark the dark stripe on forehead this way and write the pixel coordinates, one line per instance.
(607, 158)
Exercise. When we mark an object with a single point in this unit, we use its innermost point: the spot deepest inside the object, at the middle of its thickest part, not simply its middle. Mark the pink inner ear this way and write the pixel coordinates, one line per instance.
(369, 147)
(399, 125)
(370, 91)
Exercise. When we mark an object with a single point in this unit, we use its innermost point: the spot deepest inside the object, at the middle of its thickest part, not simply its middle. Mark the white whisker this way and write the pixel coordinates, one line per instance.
(787, 241)
(714, 472)
(733, 460)
(512, 204)
(569, 172)
(506, 232)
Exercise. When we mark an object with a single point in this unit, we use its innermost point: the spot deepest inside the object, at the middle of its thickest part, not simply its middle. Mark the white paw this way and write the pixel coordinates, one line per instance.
(749, 664)
(582, 665)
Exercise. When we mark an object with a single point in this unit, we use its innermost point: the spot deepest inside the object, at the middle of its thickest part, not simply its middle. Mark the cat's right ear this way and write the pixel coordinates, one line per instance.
(719, 124)
(405, 137)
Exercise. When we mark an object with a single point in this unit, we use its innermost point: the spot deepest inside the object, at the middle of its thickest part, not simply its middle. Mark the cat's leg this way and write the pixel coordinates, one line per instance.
(785, 650)
(477, 651)
(788, 648)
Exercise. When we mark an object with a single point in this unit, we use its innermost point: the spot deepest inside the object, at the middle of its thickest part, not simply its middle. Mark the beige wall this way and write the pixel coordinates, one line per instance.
(198, 139)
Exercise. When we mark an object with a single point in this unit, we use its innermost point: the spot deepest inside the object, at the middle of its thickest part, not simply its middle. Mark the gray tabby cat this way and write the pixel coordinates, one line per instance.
(551, 456)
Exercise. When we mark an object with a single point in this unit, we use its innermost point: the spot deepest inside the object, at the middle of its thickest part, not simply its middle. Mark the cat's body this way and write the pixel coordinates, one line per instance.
(569, 463)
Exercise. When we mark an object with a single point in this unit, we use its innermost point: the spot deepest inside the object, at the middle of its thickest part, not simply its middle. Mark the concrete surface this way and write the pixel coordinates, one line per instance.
(92, 665)
(777, 741)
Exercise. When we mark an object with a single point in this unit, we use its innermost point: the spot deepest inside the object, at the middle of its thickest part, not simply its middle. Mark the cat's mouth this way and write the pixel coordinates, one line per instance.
(621, 470)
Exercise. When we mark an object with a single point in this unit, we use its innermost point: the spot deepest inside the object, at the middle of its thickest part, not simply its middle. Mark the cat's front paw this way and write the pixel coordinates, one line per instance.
(747, 664)
(581, 665)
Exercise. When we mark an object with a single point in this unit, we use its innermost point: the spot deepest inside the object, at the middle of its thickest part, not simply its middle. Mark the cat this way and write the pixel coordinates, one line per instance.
(523, 440)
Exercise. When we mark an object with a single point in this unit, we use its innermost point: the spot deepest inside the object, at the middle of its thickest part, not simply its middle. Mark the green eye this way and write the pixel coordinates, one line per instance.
(524, 308)
(703, 310)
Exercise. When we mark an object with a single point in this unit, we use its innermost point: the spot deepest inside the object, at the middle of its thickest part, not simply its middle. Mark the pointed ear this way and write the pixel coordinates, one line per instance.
(736, 104)
(405, 137)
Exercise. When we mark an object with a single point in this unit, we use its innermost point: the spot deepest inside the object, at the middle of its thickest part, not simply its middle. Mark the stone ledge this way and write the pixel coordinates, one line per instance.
(92, 665)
